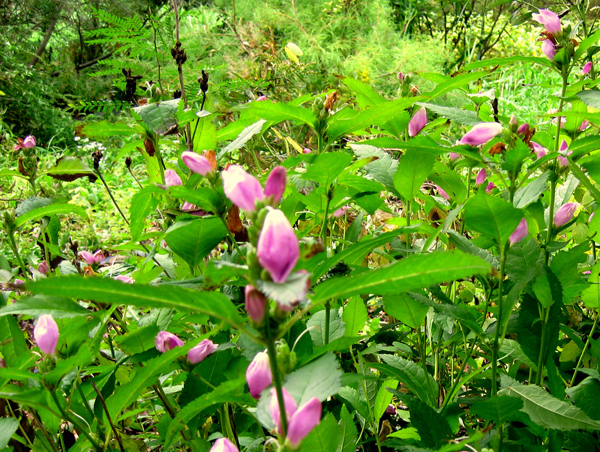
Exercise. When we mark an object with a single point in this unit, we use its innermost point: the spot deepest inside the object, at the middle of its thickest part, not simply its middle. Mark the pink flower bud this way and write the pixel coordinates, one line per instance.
(223, 445)
(523, 129)
(275, 185)
(417, 122)
(172, 178)
(124, 279)
(256, 304)
(43, 267)
(46, 334)
(303, 421)
(519, 233)
(401, 77)
(443, 193)
(565, 213)
(490, 187)
(454, 155)
(539, 150)
(290, 408)
(87, 257)
(201, 351)
(548, 49)
(391, 409)
(481, 175)
(306, 151)
(20, 282)
(261, 98)
(166, 341)
(258, 374)
(481, 133)
(99, 256)
(196, 162)
(584, 125)
(277, 247)
(341, 211)
(586, 68)
(242, 188)
(563, 146)
(562, 161)
(549, 20)
(29, 142)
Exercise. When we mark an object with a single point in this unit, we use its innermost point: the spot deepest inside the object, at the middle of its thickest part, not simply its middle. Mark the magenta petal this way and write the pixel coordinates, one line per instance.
(519, 233)
(480, 179)
(565, 213)
(29, 141)
(481, 133)
(290, 408)
(277, 247)
(256, 304)
(548, 49)
(172, 178)
(166, 341)
(549, 20)
(587, 68)
(46, 334)
(275, 185)
(417, 122)
(242, 188)
(87, 257)
(223, 445)
(196, 162)
(258, 374)
(201, 351)
(303, 421)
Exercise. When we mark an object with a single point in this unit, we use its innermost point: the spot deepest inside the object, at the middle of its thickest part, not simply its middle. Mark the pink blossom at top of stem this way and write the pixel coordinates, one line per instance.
(256, 304)
(562, 161)
(29, 142)
(519, 233)
(277, 247)
(201, 351)
(490, 187)
(99, 256)
(523, 129)
(454, 155)
(46, 334)
(172, 178)
(549, 20)
(584, 125)
(481, 175)
(196, 162)
(548, 49)
(87, 257)
(242, 188)
(481, 133)
(417, 122)
(261, 98)
(258, 374)
(565, 213)
(564, 146)
(166, 341)
(275, 185)
(290, 408)
(443, 193)
(539, 150)
(586, 68)
(401, 77)
(303, 421)
(223, 445)
(306, 151)
(341, 211)
(43, 267)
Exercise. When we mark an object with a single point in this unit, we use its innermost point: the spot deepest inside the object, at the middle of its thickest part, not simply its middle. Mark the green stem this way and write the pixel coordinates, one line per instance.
(276, 380)
(327, 320)
(540, 370)
(13, 246)
(587, 343)
(498, 321)
(326, 219)
(408, 213)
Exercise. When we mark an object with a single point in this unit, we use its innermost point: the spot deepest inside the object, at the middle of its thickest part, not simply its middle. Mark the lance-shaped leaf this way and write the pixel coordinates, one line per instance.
(492, 217)
(69, 168)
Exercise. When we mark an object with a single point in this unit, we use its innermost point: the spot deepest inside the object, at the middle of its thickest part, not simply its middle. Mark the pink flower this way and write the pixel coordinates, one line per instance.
(523, 129)
(201, 351)
(584, 125)
(341, 211)
(481, 175)
(481, 133)
(391, 409)
(563, 146)
(242, 188)
(417, 122)
(46, 334)
(275, 185)
(300, 420)
(443, 193)
(256, 304)
(196, 162)
(124, 279)
(277, 247)
(548, 49)
(306, 151)
(401, 77)
(223, 445)
(29, 142)
(172, 178)
(586, 68)
(258, 374)
(519, 233)
(539, 150)
(166, 341)
(261, 98)
(87, 257)
(454, 155)
(99, 256)
(565, 213)
(43, 267)
(490, 187)
(549, 20)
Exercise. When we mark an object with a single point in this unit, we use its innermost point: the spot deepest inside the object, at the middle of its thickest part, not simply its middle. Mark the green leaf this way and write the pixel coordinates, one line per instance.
(382, 169)
(138, 341)
(413, 169)
(12, 342)
(108, 290)
(433, 428)
(355, 315)
(142, 203)
(583, 146)
(586, 395)
(586, 44)
(574, 167)
(278, 112)
(354, 398)
(464, 117)
(590, 97)
(513, 159)
(492, 217)
(159, 117)
(105, 129)
(548, 411)
(406, 309)
(348, 435)
(288, 293)
(412, 273)
(69, 168)
(316, 325)
(8, 426)
(383, 398)
(193, 240)
(245, 135)
(52, 209)
(203, 197)
(459, 81)
(412, 375)
(325, 167)
(324, 437)
(365, 95)
(508, 60)
(38, 305)
(467, 246)
(497, 409)
(531, 192)
(205, 137)
(228, 391)
(31, 204)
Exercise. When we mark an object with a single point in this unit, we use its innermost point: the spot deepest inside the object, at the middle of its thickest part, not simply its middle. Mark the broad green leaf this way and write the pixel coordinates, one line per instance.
(406, 309)
(492, 217)
(279, 112)
(457, 115)
(355, 315)
(33, 203)
(288, 293)
(105, 129)
(108, 290)
(511, 349)
(142, 204)
(574, 167)
(316, 325)
(514, 158)
(69, 168)
(384, 398)
(159, 117)
(591, 295)
(433, 428)
(233, 129)
(586, 44)
(497, 409)
(52, 209)
(352, 397)
(450, 181)
(194, 240)
(548, 411)
(413, 169)
(245, 135)
(383, 169)
(29, 397)
(324, 437)
(586, 395)
(205, 137)
(139, 340)
(8, 426)
(412, 273)
(12, 173)
(229, 391)
(412, 375)
(325, 167)
(38, 305)
(467, 246)
(365, 95)
(202, 197)
(12, 342)
(531, 192)
(457, 82)
(590, 97)
(348, 435)
(583, 146)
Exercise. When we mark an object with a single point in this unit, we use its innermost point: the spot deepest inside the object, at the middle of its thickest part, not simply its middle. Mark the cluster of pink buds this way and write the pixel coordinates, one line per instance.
(552, 28)
(166, 341)
(92, 259)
